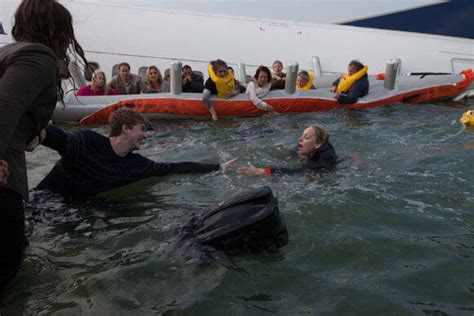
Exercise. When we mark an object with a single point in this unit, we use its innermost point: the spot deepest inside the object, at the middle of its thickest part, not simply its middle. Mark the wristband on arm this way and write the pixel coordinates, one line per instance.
(268, 171)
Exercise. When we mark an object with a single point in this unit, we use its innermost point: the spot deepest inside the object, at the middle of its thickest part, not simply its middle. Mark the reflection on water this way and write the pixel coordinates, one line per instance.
(390, 230)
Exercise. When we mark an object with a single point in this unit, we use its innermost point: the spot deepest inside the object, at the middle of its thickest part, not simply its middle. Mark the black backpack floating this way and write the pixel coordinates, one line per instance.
(247, 223)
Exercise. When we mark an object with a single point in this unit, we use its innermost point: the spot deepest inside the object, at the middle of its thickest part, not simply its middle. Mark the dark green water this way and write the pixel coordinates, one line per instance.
(390, 232)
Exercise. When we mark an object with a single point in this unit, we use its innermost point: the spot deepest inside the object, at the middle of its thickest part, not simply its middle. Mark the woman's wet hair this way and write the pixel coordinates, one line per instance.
(124, 116)
(265, 70)
(94, 83)
(321, 134)
(49, 23)
(357, 64)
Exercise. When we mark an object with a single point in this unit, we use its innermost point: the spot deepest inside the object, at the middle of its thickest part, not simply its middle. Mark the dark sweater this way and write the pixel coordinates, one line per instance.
(358, 90)
(28, 96)
(195, 85)
(89, 165)
(279, 84)
(323, 158)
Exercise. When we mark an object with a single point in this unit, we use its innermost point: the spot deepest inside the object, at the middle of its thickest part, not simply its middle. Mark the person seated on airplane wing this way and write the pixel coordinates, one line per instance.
(304, 81)
(315, 152)
(221, 82)
(278, 76)
(126, 82)
(353, 85)
(154, 80)
(92, 163)
(98, 86)
(259, 87)
(166, 84)
(191, 81)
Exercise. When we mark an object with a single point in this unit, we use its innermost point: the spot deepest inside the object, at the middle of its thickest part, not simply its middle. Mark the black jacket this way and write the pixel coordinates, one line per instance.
(28, 96)
(323, 158)
(195, 85)
(358, 90)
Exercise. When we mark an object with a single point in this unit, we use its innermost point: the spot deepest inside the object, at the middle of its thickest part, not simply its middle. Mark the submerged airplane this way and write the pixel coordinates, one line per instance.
(436, 36)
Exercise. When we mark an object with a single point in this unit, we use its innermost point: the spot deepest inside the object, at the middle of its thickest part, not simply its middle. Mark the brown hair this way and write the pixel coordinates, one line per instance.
(124, 116)
(304, 74)
(219, 63)
(49, 23)
(265, 70)
(357, 64)
(159, 80)
(321, 134)
(124, 64)
(277, 62)
(94, 83)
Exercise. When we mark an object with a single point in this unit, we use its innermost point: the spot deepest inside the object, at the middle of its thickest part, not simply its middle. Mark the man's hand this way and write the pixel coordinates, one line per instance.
(333, 89)
(186, 80)
(228, 164)
(36, 141)
(276, 77)
(4, 173)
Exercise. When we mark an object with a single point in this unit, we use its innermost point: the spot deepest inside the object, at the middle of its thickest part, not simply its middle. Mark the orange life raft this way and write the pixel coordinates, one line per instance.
(412, 89)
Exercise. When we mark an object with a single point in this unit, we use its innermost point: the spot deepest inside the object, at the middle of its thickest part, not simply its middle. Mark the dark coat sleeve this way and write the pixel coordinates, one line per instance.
(195, 85)
(336, 82)
(358, 90)
(56, 139)
(141, 167)
(19, 87)
(161, 169)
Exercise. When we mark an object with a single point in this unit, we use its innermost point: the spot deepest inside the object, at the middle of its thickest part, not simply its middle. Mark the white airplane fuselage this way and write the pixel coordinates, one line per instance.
(111, 34)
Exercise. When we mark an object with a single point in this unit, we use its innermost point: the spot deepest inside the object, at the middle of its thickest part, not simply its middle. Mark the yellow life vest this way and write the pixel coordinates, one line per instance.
(223, 85)
(347, 81)
(308, 84)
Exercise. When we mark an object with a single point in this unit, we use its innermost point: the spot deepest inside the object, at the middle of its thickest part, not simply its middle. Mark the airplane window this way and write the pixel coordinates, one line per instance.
(198, 73)
(142, 72)
(88, 71)
(115, 70)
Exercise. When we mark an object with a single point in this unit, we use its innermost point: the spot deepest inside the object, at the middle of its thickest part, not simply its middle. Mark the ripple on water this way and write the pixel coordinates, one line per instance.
(389, 231)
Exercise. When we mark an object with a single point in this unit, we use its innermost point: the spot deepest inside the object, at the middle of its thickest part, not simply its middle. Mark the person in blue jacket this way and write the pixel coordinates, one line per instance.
(358, 90)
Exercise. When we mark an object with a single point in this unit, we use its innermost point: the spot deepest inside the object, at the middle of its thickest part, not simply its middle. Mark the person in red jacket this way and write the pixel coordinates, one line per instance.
(97, 87)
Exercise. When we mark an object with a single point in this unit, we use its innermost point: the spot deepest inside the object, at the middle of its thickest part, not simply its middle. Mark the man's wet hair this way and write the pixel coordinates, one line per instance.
(124, 116)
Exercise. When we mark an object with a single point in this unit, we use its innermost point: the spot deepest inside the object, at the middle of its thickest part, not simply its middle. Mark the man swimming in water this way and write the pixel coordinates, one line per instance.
(314, 152)
(92, 163)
